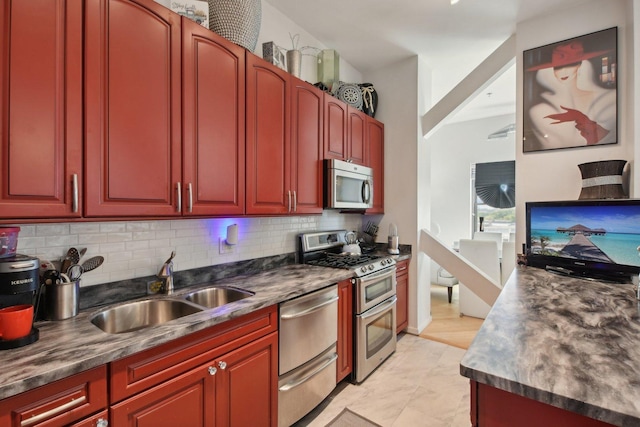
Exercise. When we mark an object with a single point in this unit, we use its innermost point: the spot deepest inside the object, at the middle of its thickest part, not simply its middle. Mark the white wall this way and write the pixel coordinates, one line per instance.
(454, 148)
(554, 175)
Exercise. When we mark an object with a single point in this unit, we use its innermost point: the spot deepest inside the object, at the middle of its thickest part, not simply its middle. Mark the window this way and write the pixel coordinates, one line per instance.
(493, 198)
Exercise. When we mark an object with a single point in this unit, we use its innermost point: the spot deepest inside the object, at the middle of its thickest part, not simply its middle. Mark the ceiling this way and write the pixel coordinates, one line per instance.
(451, 39)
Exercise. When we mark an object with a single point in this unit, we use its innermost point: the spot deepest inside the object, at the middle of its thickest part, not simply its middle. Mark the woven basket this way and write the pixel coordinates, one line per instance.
(236, 20)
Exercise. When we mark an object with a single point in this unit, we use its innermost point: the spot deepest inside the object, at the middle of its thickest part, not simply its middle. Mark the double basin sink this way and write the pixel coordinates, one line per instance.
(132, 316)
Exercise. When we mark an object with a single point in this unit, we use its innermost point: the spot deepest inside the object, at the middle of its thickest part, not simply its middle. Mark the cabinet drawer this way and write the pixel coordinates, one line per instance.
(143, 370)
(402, 267)
(58, 404)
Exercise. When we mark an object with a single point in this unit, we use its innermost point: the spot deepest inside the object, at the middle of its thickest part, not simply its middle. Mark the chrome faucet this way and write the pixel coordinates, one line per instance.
(166, 275)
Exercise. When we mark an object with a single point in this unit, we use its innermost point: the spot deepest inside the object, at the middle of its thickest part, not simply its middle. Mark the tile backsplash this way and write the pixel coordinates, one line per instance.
(138, 248)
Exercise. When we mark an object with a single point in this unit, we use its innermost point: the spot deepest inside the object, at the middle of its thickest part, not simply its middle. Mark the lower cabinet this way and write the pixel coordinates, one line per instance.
(345, 329)
(213, 394)
(70, 401)
(492, 407)
(402, 292)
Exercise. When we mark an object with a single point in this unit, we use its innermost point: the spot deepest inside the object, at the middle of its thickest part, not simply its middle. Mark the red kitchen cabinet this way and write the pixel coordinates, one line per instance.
(41, 109)
(335, 128)
(345, 329)
(60, 403)
(402, 293)
(268, 138)
(492, 407)
(375, 135)
(357, 136)
(213, 123)
(307, 104)
(133, 92)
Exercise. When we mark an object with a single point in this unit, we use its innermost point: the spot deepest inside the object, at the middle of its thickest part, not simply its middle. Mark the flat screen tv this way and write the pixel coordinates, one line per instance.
(597, 239)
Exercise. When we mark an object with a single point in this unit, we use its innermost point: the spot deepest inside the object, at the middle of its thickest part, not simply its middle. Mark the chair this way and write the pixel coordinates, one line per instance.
(444, 278)
(508, 262)
(483, 254)
(491, 236)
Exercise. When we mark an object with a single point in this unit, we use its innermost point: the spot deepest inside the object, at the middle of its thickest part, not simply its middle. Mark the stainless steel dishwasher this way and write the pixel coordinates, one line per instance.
(307, 370)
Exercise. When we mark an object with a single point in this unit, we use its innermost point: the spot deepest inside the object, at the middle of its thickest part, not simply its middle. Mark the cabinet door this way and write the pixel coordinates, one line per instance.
(60, 403)
(133, 101)
(375, 137)
(402, 293)
(306, 147)
(357, 136)
(345, 329)
(335, 128)
(268, 138)
(249, 375)
(41, 108)
(187, 400)
(213, 123)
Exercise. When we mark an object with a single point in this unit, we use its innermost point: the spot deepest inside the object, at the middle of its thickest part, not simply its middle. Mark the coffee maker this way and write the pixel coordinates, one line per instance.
(19, 284)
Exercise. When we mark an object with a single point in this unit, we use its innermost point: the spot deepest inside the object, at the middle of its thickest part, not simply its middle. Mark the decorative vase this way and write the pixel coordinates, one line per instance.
(602, 179)
(236, 20)
(294, 61)
(328, 67)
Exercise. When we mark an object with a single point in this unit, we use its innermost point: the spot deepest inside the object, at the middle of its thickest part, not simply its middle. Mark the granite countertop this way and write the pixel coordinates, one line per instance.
(567, 342)
(74, 345)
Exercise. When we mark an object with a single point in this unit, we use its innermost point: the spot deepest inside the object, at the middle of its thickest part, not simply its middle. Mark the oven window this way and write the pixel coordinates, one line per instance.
(378, 289)
(379, 333)
(348, 189)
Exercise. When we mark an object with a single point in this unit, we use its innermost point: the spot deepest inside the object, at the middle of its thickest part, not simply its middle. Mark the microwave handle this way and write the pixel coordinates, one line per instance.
(366, 191)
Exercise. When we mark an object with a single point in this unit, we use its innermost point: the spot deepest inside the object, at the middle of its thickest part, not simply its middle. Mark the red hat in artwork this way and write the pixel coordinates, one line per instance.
(567, 54)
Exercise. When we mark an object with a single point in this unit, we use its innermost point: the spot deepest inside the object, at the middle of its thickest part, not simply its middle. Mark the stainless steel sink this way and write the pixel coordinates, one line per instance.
(136, 315)
(216, 296)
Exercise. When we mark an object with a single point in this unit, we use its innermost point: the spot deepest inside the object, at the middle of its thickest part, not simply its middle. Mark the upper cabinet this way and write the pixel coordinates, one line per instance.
(344, 132)
(375, 138)
(213, 123)
(133, 109)
(41, 109)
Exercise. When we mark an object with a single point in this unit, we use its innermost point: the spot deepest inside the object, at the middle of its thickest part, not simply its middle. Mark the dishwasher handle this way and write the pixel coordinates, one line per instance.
(309, 310)
(296, 383)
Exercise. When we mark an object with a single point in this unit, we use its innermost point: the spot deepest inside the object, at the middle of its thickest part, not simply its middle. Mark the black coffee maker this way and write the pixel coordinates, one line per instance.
(19, 284)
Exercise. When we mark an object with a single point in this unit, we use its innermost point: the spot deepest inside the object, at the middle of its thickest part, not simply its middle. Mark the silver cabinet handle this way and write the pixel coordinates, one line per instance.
(295, 201)
(289, 192)
(54, 411)
(222, 365)
(315, 372)
(190, 201)
(102, 423)
(212, 370)
(179, 191)
(309, 310)
(74, 200)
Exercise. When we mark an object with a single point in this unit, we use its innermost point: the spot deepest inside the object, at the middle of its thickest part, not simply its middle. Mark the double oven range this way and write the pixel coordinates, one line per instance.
(374, 296)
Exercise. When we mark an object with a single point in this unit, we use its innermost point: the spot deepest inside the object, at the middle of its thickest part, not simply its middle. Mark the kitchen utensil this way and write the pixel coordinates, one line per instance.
(75, 271)
(82, 252)
(51, 277)
(72, 257)
(92, 263)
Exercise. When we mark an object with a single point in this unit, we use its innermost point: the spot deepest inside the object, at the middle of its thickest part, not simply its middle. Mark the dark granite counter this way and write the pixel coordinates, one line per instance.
(74, 345)
(567, 342)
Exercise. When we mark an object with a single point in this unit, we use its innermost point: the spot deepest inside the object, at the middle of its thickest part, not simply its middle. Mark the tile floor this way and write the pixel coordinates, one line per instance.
(419, 385)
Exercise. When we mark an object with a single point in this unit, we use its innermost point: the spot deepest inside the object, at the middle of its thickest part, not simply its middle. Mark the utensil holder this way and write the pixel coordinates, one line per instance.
(62, 300)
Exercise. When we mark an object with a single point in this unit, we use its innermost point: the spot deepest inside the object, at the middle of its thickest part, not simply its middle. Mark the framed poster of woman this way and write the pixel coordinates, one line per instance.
(570, 93)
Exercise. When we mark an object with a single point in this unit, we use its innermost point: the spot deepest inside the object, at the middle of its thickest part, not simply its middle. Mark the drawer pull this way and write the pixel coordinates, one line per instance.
(53, 412)
(212, 370)
(102, 423)
(222, 365)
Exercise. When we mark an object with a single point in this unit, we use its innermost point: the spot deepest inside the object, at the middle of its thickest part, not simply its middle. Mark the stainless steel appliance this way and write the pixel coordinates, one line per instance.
(308, 333)
(374, 295)
(348, 185)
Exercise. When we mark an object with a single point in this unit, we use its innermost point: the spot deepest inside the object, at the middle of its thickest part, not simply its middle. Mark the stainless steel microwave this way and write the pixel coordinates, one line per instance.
(348, 185)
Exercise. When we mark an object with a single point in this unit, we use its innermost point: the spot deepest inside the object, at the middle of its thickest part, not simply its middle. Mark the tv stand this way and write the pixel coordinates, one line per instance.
(590, 274)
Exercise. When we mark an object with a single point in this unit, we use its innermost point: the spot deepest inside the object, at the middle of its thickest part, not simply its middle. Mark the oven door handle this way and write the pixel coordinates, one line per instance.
(379, 275)
(294, 384)
(379, 309)
(309, 310)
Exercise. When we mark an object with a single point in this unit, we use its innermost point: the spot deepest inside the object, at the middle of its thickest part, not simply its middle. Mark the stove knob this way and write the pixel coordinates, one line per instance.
(384, 261)
(363, 269)
(370, 266)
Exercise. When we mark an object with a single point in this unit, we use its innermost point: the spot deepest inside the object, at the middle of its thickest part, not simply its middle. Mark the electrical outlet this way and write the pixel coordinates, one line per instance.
(226, 249)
